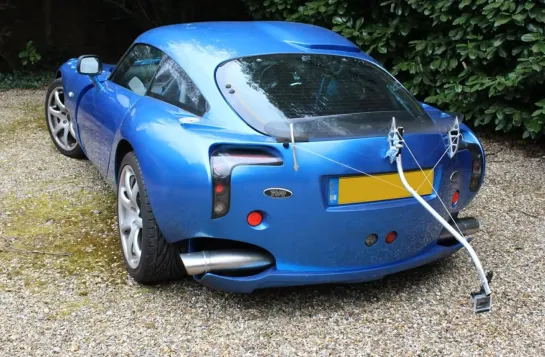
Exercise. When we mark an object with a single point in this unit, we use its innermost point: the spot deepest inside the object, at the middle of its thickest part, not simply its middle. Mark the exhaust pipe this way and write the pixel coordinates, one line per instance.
(211, 261)
(468, 226)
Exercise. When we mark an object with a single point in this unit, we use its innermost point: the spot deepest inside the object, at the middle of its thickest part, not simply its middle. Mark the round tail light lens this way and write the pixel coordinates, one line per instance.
(219, 188)
(390, 237)
(455, 197)
(254, 218)
(220, 208)
(371, 239)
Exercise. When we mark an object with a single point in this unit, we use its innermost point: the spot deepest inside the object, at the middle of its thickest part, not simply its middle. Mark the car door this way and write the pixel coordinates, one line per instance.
(112, 102)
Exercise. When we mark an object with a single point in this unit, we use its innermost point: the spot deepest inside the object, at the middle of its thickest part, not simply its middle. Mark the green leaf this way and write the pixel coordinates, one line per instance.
(519, 17)
(460, 20)
(404, 29)
(530, 37)
(541, 103)
(359, 22)
(420, 45)
(492, 6)
(435, 64)
(464, 3)
(535, 11)
(533, 28)
(533, 125)
(440, 49)
(539, 47)
(502, 19)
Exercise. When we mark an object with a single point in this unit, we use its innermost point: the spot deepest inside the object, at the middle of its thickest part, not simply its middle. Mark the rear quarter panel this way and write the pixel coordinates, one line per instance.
(174, 159)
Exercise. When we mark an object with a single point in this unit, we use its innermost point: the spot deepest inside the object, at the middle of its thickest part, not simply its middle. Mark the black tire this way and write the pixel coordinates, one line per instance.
(76, 152)
(160, 260)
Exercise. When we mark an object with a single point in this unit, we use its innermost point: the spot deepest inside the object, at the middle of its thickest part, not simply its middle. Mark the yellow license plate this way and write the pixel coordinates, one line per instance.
(359, 189)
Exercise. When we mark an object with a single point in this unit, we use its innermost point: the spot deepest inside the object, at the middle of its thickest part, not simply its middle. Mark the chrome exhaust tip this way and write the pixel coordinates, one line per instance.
(468, 226)
(233, 260)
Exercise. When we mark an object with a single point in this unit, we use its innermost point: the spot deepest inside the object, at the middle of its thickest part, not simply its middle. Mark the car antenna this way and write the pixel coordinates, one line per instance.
(295, 166)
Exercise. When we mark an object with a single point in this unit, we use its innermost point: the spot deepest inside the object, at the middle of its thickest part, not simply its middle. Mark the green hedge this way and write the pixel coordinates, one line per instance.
(26, 80)
(485, 58)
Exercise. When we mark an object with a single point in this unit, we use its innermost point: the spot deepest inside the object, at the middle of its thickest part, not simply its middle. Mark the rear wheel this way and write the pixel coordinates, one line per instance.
(148, 256)
(60, 123)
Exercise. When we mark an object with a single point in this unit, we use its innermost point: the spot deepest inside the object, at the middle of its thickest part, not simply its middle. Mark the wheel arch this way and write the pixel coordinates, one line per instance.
(175, 168)
(122, 149)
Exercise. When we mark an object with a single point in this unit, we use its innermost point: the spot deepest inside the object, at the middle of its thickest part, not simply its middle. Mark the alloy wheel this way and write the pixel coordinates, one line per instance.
(60, 122)
(129, 217)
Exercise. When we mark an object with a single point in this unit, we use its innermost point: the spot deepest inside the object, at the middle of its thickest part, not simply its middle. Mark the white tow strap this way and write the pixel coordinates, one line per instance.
(437, 216)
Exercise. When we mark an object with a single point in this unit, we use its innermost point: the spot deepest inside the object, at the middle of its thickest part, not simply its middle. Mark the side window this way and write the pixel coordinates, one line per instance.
(173, 85)
(136, 70)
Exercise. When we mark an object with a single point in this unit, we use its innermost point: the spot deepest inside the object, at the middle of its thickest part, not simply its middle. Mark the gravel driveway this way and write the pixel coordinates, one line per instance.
(63, 290)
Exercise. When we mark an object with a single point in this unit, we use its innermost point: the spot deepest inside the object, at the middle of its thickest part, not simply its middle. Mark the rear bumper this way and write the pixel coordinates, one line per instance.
(279, 278)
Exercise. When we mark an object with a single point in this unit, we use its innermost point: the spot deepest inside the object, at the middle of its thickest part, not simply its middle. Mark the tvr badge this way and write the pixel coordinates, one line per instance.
(278, 193)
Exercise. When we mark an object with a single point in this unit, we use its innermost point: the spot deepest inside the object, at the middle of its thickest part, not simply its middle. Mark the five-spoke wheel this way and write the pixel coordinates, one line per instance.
(130, 219)
(149, 258)
(59, 121)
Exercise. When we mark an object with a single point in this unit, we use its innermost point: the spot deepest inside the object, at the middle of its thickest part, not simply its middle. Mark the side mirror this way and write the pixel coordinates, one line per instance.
(89, 65)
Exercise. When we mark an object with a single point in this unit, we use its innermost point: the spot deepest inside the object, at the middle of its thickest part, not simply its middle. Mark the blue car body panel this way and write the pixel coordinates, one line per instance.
(310, 240)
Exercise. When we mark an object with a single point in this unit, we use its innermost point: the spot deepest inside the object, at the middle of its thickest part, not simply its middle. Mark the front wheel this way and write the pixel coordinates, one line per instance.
(60, 123)
(149, 258)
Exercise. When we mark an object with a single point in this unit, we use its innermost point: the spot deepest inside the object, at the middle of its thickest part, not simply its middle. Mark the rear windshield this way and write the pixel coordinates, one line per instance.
(323, 95)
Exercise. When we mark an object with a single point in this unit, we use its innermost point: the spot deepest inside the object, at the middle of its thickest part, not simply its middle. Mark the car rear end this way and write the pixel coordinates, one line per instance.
(317, 200)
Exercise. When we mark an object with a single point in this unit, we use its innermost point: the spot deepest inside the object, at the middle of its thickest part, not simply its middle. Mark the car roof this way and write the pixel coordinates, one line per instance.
(208, 44)
(199, 48)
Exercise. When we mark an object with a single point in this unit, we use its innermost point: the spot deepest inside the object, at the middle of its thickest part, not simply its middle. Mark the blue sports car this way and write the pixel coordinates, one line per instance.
(255, 154)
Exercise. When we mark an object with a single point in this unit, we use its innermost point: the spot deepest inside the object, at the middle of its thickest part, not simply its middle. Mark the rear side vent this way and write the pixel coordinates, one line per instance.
(222, 163)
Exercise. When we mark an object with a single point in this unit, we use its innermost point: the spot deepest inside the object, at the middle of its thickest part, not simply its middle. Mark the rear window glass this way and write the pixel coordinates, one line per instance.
(323, 95)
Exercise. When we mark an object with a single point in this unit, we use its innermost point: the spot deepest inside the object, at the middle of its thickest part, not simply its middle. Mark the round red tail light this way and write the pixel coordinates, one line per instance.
(254, 218)
(455, 197)
(390, 237)
(218, 188)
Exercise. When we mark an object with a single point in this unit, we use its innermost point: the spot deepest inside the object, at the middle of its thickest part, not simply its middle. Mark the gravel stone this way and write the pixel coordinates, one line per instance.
(48, 310)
